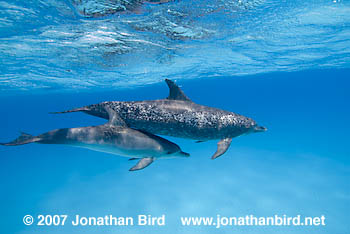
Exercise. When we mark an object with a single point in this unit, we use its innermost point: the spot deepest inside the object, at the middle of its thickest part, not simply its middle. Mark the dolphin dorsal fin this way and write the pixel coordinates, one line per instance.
(114, 118)
(175, 93)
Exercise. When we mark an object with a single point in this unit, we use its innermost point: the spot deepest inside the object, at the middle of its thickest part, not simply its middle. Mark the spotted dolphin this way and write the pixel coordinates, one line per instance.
(178, 116)
(113, 137)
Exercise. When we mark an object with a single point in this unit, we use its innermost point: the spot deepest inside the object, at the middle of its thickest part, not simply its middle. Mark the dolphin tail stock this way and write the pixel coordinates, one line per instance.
(24, 138)
(84, 108)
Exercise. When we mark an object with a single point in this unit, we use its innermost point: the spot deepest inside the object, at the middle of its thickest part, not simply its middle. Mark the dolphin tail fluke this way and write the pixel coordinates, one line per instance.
(223, 146)
(85, 108)
(24, 138)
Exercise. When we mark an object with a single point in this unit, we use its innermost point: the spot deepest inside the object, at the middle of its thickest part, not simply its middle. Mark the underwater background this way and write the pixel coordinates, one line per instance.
(286, 64)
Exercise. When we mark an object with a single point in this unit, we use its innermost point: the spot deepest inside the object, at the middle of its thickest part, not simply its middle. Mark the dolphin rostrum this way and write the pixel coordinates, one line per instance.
(178, 116)
(113, 137)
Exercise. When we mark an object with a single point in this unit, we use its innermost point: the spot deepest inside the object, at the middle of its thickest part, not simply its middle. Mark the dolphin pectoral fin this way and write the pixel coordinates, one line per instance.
(223, 146)
(175, 93)
(114, 118)
(145, 162)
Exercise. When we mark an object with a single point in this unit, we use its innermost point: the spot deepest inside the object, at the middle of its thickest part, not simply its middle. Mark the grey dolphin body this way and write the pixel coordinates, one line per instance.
(178, 116)
(113, 137)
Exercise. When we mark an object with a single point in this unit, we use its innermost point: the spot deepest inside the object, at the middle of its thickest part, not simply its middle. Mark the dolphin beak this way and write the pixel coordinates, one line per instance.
(184, 154)
(260, 129)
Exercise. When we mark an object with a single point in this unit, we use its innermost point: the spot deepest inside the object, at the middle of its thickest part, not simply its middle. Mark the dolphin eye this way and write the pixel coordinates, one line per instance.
(168, 152)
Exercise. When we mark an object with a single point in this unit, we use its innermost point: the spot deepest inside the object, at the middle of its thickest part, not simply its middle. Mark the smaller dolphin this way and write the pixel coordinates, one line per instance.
(113, 137)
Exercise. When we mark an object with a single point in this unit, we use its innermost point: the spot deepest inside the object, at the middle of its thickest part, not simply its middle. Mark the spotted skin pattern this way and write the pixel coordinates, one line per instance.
(177, 118)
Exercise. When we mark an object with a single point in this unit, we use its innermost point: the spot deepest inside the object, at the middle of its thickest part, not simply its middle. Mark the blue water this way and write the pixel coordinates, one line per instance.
(285, 64)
